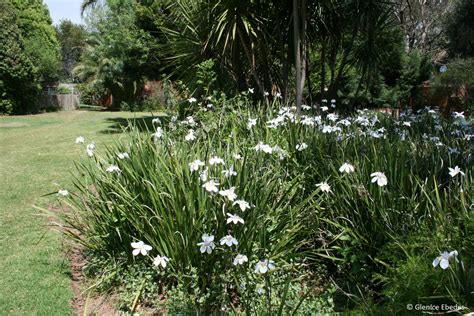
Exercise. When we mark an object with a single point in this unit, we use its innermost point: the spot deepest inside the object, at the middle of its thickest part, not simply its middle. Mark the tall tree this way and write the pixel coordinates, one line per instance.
(460, 29)
(299, 35)
(72, 38)
(17, 74)
(39, 37)
(29, 53)
(118, 52)
(423, 22)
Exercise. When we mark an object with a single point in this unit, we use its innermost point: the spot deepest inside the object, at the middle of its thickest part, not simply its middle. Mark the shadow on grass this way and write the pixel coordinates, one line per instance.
(143, 124)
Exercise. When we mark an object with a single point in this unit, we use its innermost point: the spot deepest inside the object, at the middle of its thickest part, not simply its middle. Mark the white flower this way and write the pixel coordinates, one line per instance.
(305, 107)
(233, 218)
(237, 157)
(301, 147)
(195, 165)
(240, 259)
(380, 178)
(160, 261)
(190, 121)
(156, 121)
(229, 193)
(140, 247)
(211, 186)
(251, 90)
(192, 100)
(279, 120)
(207, 244)
(458, 115)
(345, 122)
(216, 161)
(327, 129)
(203, 175)
(63, 192)
(228, 240)
(333, 100)
(263, 147)
(230, 172)
(324, 108)
(242, 204)
(266, 94)
(455, 171)
(407, 124)
(308, 121)
(80, 140)
(190, 136)
(264, 265)
(332, 117)
(158, 134)
(324, 187)
(347, 168)
(122, 155)
(453, 151)
(278, 95)
(444, 258)
(113, 168)
(90, 149)
(251, 122)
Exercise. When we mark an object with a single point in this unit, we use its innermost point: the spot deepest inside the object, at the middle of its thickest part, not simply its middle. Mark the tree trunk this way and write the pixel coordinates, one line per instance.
(300, 50)
(323, 68)
(308, 80)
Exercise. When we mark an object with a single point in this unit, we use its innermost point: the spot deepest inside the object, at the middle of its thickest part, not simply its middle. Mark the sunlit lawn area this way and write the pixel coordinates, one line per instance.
(37, 154)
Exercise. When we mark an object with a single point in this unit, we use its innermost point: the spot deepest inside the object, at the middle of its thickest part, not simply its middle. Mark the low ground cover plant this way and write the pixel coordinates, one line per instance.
(263, 209)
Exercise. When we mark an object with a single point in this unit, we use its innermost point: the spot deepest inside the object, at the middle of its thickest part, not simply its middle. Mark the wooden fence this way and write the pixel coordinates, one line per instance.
(52, 99)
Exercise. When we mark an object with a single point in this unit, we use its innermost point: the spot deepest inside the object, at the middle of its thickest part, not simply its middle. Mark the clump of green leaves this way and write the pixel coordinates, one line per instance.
(155, 195)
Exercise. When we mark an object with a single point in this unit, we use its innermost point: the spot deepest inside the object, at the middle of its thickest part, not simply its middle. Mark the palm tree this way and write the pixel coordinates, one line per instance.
(86, 4)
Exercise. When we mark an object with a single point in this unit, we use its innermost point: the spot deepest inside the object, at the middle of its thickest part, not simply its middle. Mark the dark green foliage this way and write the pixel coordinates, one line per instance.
(17, 73)
(457, 83)
(460, 29)
(39, 37)
(29, 54)
(416, 69)
(72, 38)
(118, 53)
(63, 90)
(356, 48)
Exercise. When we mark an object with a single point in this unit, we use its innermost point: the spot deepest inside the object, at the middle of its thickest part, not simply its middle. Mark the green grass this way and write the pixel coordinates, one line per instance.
(37, 154)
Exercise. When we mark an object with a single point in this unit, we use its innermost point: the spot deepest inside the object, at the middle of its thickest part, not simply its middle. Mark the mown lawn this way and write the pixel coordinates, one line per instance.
(37, 154)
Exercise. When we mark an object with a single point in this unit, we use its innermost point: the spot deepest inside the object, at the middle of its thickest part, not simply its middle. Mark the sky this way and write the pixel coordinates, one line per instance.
(64, 9)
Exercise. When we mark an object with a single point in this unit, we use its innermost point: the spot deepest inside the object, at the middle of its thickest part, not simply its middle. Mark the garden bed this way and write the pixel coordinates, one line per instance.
(264, 211)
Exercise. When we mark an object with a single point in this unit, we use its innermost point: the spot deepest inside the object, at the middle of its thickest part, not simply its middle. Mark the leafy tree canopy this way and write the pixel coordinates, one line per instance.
(72, 38)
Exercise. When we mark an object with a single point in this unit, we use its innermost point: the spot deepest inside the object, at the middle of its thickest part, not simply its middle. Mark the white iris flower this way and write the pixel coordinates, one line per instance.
(263, 266)
(207, 244)
(233, 218)
(160, 261)
(228, 240)
(380, 178)
(211, 186)
(140, 247)
(240, 259)
(444, 259)
(347, 168)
